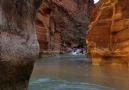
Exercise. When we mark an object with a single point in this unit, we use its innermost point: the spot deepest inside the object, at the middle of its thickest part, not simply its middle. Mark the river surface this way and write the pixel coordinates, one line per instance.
(76, 73)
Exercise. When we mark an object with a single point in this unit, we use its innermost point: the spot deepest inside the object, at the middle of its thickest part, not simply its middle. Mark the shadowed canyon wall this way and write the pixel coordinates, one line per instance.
(18, 42)
(62, 24)
(42, 25)
(108, 35)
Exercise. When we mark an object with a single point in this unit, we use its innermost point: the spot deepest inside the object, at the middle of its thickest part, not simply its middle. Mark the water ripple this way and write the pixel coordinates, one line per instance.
(53, 83)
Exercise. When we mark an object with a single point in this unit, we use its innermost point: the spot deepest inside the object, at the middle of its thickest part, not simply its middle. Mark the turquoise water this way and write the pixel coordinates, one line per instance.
(76, 73)
(54, 83)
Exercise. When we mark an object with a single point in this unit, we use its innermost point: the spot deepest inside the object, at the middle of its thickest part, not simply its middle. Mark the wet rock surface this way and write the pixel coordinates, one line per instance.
(18, 42)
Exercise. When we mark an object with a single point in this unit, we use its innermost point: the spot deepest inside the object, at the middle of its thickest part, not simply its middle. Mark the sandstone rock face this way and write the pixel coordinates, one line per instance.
(42, 25)
(108, 35)
(18, 42)
(62, 24)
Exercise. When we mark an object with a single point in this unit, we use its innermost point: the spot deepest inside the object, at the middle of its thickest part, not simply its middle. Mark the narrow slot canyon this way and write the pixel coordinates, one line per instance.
(61, 25)
(64, 45)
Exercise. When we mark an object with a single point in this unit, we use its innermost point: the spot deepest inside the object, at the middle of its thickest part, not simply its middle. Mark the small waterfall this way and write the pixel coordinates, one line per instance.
(77, 52)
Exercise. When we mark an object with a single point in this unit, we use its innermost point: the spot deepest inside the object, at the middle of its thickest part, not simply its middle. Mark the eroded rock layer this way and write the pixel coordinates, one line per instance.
(42, 25)
(62, 24)
(18, 42)
(108, 35)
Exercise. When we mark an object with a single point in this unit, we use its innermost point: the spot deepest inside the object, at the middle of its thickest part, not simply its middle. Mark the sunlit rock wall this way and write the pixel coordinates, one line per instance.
(18, 42)
(108, 35)
(62, 24)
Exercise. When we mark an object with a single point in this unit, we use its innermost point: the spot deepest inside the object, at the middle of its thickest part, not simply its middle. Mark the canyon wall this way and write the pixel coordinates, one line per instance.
(42, 25)
(62, 24)
(108, 35)
(18, 42)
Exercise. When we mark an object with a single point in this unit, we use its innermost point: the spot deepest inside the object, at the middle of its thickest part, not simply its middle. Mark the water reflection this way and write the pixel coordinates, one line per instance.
(73, 73)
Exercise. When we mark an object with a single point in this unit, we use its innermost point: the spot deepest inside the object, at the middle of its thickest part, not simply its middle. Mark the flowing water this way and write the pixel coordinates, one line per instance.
(76, 73)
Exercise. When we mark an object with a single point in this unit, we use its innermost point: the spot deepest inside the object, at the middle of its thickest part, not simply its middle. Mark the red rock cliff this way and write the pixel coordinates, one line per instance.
(108, 35)
(62, 24)
(42, 25)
